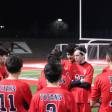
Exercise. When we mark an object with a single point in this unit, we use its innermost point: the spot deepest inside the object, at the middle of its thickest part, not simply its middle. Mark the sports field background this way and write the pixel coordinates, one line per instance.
(31, 73)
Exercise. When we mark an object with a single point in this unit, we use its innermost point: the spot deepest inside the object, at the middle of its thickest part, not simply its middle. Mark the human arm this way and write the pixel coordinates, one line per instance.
(41, 82)
(27, 96)
(78, 83)
(33, 106)
(95, 99)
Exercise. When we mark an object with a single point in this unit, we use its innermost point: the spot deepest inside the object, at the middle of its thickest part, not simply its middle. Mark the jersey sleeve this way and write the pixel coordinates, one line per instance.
(95, 94)
(89, 74)
(105, 69)
(26, 93)
(41, 82)
(33, 105)
(65, 80)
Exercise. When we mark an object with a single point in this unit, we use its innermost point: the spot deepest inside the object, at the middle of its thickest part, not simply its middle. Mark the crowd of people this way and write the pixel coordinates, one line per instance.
(65, 85)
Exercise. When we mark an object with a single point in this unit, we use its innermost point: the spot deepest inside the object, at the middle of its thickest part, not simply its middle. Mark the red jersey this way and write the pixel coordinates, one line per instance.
(80, 72)
(64, 82)
(3, 72)
(41, 82)
(66, 66)
(14, 95)
(52, 99)
(105, 69)
(103, 89)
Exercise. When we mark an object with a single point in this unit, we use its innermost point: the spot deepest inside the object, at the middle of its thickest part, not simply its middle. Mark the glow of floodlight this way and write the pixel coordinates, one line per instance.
(60, 20)
(2, 26)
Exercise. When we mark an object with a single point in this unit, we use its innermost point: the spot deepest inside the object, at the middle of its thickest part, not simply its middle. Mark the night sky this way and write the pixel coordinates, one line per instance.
(37, 15)
(97, 13)
(97, 18)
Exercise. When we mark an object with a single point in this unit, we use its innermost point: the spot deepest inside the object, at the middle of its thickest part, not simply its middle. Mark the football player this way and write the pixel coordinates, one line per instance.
(82, 74)
(52, 98)
(103, 86)
(15, 95)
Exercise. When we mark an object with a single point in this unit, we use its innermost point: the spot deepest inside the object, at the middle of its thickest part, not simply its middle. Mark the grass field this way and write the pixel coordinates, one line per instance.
(35, 74)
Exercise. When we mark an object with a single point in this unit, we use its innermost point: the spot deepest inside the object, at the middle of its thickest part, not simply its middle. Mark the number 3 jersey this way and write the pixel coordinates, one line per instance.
(103, 89)
(52, 99)
(15, 96)
(84, 73)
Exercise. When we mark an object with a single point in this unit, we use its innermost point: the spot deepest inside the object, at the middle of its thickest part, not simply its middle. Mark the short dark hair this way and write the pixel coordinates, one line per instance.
(3, 51)
(53, 72)
(70, 48)
(56, 52)
(81, 49)
(54, 56)
(14, 63)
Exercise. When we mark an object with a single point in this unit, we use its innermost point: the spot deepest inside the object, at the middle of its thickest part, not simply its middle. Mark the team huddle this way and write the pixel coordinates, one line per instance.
(65, 85)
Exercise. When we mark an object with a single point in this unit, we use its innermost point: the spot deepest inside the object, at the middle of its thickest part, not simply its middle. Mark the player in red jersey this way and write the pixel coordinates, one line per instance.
(15, 95)
(3, 55)
(70, 57)
(52, 98)
(82, 74)
(64, 82)
(103, 86)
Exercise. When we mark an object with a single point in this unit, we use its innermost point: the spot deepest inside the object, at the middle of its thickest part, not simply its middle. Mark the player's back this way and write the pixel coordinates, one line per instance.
(15, 95)
(64, 81)
(52, 99)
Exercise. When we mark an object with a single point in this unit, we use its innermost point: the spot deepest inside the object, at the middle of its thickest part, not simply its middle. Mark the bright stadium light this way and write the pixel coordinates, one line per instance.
(59, 27)
(60, 20)
(2, 26)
